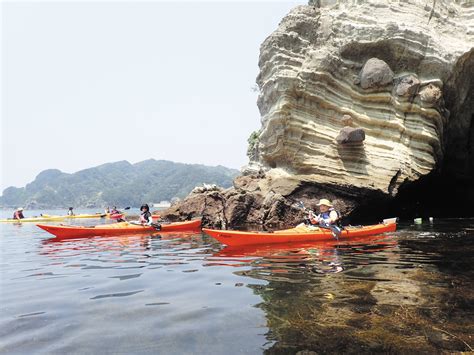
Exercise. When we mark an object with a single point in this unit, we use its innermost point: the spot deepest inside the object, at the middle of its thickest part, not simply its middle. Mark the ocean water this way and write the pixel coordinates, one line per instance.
(407, 291)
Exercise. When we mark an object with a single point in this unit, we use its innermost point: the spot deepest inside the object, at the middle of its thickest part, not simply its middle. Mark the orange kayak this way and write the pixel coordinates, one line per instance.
(297, 234)
(122, 228)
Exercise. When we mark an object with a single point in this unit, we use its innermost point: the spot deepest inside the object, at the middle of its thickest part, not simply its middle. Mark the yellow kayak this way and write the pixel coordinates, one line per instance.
(44, 218)
(83, 215)
(93, 215)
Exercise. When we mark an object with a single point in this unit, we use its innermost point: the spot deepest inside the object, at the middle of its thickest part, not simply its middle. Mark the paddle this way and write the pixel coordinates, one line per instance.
(336, 231)
(123, 209)
(157, 226)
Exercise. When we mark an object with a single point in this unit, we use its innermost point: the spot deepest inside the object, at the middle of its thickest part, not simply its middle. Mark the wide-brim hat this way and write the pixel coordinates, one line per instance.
(19, 209)
(324, 202)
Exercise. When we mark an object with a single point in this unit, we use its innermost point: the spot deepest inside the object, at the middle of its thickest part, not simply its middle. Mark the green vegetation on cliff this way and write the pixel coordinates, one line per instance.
(119, 183)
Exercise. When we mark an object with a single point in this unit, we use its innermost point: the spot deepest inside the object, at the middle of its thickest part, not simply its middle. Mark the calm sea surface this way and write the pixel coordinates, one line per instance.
(408, 291)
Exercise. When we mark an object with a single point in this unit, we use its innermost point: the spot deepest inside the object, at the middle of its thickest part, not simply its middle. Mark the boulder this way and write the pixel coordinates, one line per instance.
(375, 73)
(350, 135)
(407, 86)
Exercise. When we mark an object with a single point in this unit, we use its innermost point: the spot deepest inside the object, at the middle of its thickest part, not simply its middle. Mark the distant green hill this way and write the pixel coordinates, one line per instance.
(120, 184)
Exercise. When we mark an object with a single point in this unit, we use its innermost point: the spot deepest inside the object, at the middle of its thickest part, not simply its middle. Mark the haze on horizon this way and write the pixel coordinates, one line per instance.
(87, 83)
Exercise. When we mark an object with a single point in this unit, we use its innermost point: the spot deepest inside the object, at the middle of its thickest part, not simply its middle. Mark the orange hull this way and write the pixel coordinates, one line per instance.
(123, 228)
(236, 238)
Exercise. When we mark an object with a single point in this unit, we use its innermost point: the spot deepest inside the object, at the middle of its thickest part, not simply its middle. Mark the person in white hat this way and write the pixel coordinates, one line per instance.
(327, 215)
(18, 214)
(327, 218)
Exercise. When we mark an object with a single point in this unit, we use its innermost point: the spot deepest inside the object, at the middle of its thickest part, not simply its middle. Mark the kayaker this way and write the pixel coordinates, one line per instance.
(328, 215)
(327, 218)
(114, 210)
(18, 214)
(145, 216)
(70, 212)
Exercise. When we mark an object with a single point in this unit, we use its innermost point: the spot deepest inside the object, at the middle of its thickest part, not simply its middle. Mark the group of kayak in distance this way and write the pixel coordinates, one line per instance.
(18, 215)
(322, 226)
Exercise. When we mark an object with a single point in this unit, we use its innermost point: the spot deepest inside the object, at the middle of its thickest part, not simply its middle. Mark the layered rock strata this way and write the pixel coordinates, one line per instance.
(358, 99)
(381, 63)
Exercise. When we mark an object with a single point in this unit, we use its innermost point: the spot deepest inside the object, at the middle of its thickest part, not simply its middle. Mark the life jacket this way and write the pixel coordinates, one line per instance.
(145, 217)
(326, 215)
(18, 215)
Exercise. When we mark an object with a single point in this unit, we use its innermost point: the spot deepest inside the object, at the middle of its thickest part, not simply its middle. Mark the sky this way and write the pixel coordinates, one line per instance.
(87, 83)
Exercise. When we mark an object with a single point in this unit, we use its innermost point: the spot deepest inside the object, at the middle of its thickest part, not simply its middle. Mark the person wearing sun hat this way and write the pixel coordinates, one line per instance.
(327, 218)
(18, 214)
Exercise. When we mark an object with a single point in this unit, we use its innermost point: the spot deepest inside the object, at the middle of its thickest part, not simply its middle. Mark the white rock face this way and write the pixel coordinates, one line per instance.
(314, 80)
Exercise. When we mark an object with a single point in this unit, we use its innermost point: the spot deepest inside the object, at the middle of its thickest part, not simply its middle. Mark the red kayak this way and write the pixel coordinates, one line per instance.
(297, 234)
(122, 228)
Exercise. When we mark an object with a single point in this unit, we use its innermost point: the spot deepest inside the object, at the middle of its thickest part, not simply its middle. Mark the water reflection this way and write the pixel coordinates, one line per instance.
(383, 294)
(320, 257)
(137, 242)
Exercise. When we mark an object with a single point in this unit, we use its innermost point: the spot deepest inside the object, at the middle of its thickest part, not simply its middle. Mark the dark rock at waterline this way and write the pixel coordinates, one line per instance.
(234, 208)
(272, 203)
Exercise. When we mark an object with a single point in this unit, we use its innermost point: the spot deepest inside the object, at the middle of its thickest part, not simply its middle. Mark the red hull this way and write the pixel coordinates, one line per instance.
(236, 238)
(124, 228)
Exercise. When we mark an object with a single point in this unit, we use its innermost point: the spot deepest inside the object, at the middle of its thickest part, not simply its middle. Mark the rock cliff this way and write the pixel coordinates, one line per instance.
(358, 99)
